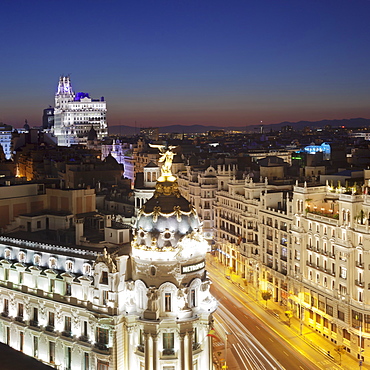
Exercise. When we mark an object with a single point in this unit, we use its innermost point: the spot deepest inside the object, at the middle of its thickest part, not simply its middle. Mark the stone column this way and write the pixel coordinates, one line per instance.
(190, 350)
(129, 345)
(182, 351)
(147, 352)
(155, 351)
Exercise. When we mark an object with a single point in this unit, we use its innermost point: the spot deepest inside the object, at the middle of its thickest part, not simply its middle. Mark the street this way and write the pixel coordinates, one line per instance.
(252, 342)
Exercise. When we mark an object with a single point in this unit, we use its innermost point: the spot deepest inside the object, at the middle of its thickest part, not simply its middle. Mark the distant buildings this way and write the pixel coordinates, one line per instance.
(76, 114)
(6, 139)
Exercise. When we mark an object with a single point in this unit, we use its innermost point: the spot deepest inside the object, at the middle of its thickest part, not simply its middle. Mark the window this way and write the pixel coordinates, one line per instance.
(20, 310)
(168, 343)
(69, 358)
(35, 346)
(22, 257)
(86, 269)
(21, 341)
(7, 253)
(356, 319)
(68, 289)
(35, 314)
(326, 323)
(343, 272)
(346, 334)
(102, 335)
(36, 260)
(52, 352)
(192, 298)
(340, 315)
(6, 306)
(104, 278)
(102, 365)
(334, 328)
(167, 302)
(67, 324)
(51, 319)
(69, 265)
(52, 262)
(86, 361)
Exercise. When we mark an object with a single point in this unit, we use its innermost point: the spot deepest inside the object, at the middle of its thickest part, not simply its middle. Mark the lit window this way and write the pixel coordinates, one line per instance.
(37, 259)
(167, 302)
(52, 262)
(7, 253)
(22, 256)
(86, 269)
(69, 265)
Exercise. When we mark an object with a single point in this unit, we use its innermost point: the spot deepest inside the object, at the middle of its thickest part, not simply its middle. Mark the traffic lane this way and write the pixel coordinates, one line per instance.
(279, 349)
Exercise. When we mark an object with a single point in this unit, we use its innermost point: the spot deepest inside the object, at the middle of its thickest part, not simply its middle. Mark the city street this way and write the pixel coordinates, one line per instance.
(250, 334)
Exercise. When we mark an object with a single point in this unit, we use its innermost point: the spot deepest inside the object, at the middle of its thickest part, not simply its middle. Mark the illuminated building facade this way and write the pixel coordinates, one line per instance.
(308, 246)
(6, 140)
(76, 114)
(110, 304)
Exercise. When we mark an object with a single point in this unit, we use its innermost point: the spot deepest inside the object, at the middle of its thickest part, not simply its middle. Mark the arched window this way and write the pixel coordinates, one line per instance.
(69, 265)
(52, 262)
(22, 256)
(7, 253)
(86, 269)
(36, 259)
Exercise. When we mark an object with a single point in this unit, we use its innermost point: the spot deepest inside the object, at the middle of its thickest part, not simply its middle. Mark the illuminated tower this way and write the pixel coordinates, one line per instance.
(76, 114)
(170, 283)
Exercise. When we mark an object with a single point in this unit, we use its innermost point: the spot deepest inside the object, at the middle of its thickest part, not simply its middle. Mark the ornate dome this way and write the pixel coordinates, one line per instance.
(165, 218)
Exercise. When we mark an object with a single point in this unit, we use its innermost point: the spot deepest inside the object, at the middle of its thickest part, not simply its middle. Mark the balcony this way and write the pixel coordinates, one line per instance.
(360, 283)
(140, 348)
(359, 264)
(83, 338)
(284, 258)
(66, 333)
(49, 328)
(101, 347)
(196, 346)
(269, 251)
(168, 352)
(34, 323)
(269, 237)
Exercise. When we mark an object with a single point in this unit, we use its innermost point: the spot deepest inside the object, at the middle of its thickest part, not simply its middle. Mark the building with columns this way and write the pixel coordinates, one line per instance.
(78, 292)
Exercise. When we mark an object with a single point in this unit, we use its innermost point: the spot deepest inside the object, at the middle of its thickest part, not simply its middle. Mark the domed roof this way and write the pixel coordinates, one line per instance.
(165, 218)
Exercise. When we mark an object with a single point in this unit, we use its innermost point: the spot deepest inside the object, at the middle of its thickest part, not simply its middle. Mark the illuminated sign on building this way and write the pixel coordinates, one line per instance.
(192, 268)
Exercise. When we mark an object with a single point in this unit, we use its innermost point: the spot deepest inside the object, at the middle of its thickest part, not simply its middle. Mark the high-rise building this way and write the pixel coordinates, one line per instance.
(76, 114)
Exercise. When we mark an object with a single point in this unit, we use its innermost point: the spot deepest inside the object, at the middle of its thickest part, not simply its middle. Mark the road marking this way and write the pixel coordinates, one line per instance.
(286, 354)
(301, 367)
(258, 327)
(271, 339)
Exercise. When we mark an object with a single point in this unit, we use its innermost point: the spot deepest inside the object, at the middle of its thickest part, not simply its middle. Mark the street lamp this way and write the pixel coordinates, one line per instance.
(226, 338)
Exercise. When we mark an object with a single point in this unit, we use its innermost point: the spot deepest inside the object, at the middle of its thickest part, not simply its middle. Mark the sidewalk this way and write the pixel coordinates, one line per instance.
(309, 335)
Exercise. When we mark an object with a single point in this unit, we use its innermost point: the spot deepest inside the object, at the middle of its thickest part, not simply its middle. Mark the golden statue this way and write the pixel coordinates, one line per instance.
(166, 156)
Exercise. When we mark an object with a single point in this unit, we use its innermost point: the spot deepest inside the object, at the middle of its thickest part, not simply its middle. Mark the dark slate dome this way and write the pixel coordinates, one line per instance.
(165, 218)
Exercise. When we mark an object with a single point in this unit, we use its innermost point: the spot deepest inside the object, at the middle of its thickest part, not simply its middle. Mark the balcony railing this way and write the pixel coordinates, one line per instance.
(360, 264)
(359, 283)
(168, 352)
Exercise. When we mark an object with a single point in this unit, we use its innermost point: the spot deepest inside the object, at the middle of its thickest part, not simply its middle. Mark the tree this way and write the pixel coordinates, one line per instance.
(266, 295)
(340, 349)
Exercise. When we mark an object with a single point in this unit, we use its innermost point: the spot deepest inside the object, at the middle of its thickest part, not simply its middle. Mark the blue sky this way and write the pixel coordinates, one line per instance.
(189, 62)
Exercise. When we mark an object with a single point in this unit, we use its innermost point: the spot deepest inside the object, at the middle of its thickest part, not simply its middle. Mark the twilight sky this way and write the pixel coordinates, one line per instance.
(212, 62)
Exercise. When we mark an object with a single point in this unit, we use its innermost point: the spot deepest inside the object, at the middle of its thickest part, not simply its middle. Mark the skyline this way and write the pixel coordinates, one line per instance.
(177, 62)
